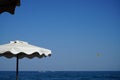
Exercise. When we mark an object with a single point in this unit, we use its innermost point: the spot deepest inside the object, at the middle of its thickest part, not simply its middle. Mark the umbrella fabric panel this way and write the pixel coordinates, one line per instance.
(8, 5)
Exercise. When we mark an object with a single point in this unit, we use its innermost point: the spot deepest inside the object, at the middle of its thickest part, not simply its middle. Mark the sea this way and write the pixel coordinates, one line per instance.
(61, 75)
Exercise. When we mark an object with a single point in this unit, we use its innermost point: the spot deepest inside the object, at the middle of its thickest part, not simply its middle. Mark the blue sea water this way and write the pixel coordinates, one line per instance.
(61, 75)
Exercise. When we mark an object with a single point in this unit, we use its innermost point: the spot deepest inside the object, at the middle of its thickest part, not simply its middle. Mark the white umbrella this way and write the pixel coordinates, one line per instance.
(21, 49)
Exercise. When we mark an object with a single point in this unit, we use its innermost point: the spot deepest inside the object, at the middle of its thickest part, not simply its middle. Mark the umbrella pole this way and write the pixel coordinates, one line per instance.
(17, 68)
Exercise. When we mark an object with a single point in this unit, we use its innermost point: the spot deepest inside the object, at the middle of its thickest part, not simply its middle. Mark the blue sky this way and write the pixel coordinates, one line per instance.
(75, 30)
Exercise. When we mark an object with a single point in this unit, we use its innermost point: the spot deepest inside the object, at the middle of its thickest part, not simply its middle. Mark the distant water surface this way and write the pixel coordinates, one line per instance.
(61, 75)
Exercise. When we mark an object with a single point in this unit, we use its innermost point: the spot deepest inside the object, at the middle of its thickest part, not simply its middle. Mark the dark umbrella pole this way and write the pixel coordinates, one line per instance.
(17, 68)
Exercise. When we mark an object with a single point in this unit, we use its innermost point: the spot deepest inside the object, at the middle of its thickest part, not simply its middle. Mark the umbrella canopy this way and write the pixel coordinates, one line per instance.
(8, 5)
(21, 49)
